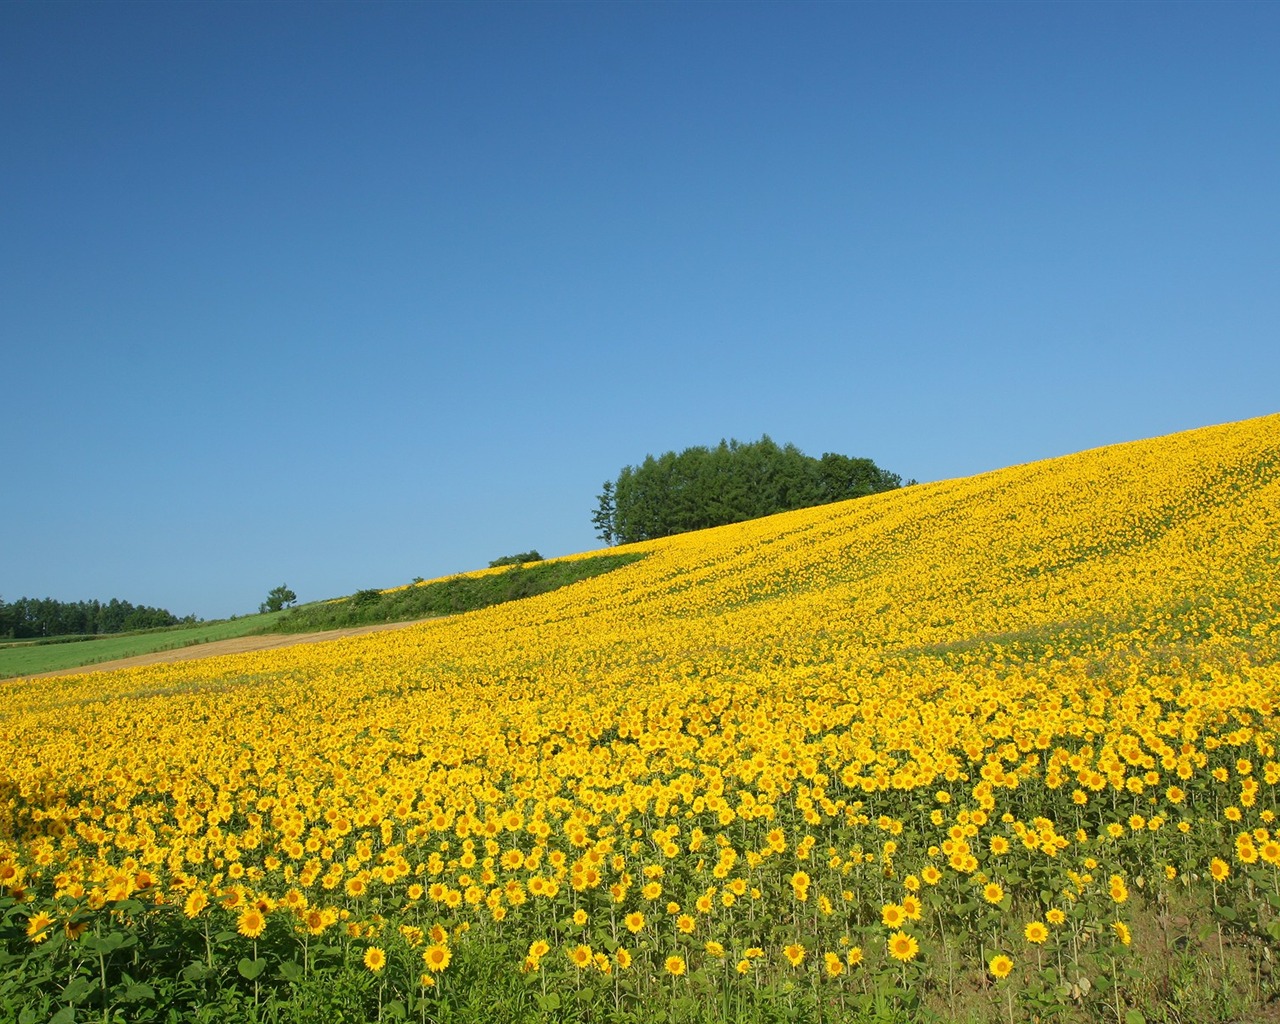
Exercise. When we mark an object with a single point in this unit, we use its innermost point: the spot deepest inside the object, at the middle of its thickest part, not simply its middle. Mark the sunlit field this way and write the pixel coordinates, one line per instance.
(980, 750)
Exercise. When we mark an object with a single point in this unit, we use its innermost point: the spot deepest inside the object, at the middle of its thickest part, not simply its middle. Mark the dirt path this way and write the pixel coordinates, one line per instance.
(236, 645)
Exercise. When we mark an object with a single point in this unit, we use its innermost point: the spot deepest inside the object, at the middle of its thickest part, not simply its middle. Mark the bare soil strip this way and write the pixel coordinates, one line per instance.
(236, 645)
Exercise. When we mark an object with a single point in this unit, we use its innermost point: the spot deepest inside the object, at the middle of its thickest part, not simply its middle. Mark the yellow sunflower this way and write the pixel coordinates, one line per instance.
(251, 923)
(903, 947)
(437, 957)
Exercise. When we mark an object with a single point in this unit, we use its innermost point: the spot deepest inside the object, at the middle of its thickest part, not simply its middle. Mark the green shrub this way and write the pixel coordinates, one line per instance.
(524, 556)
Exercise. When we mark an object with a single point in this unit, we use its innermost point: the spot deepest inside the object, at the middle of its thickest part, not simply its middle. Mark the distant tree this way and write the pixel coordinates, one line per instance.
(32, 617)
(281, 597)
(602, 517)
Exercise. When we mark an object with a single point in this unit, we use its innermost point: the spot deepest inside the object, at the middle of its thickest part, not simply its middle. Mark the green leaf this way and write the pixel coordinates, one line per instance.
(56, 939)
(66, 1015)
(138, 992)
(195, 971)
(1226, 913)
(120, 941)
(78, 989)
(1134, 1017)
(250, 969)
(110, 942)
(291, 971)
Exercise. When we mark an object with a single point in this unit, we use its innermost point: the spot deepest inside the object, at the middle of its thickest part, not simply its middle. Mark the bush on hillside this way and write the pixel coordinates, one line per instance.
(524, 556)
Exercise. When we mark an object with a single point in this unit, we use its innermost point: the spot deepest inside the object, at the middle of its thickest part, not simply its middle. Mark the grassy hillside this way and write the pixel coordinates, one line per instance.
(449, 596)
(981, 749)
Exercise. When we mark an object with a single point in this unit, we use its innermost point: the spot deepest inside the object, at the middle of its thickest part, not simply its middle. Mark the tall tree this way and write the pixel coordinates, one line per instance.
(602, 517)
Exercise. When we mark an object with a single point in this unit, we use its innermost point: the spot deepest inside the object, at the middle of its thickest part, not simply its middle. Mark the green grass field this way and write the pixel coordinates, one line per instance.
(27, 657)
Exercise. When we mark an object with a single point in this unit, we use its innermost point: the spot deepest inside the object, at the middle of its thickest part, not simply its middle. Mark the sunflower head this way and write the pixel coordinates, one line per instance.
(903, 947)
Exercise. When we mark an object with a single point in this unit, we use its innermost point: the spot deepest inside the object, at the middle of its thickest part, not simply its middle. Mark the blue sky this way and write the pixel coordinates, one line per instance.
(339, 295)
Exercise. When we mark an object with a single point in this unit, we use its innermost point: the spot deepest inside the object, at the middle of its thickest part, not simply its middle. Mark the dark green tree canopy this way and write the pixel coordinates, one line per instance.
(733, 482)
(602, 518)
(30, 617)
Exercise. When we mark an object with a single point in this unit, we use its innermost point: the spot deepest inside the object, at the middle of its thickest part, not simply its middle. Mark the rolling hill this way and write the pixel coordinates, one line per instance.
(1007, 739)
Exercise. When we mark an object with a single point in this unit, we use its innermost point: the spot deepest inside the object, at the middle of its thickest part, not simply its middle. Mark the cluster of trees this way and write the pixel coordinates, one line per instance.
(32, 617)
(702, 487)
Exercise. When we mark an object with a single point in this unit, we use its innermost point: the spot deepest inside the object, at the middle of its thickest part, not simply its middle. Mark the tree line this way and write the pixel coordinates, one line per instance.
(40, 617)
(702, 487)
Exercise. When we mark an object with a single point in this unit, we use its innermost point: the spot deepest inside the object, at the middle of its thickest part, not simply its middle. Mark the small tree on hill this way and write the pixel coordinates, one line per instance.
(602, 517)
(281, 597)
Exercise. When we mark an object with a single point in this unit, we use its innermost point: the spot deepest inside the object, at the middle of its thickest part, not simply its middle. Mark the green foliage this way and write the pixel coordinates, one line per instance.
(705, 487)
(445, 597)
(144, 962)
(28, 617)
(520, 559)
(605, 515)
(280, 597)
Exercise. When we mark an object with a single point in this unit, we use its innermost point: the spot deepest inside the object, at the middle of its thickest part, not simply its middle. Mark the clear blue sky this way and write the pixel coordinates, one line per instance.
(343, 294)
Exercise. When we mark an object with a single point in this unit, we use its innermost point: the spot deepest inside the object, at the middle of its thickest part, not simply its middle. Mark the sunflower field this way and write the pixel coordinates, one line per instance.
(994, 749)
